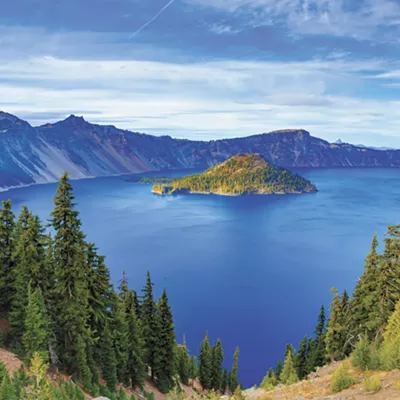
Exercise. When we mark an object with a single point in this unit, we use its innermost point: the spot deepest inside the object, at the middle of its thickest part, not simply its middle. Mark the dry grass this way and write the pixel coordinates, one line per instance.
(318, 387)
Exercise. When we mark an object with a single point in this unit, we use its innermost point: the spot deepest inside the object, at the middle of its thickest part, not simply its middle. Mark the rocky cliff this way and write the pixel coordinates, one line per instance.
(40, 154)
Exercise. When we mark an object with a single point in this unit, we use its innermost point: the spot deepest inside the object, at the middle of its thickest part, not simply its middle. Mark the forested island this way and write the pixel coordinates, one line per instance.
(241, 174)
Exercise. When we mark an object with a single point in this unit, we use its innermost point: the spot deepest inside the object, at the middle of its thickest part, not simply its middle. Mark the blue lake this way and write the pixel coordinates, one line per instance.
(253, 271)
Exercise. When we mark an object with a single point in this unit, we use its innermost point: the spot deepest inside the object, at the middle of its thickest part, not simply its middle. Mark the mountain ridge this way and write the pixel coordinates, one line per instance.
(30, 155)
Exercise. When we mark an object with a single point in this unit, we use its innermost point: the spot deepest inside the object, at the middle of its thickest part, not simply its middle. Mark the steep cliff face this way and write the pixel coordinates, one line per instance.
(42, 154)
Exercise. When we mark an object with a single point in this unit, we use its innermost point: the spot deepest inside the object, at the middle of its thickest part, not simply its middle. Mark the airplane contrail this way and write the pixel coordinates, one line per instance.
(152, 20)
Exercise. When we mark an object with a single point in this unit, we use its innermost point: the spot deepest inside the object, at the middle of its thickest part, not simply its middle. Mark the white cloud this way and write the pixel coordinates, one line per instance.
(332, 17)
(205, 100)
(222, 29)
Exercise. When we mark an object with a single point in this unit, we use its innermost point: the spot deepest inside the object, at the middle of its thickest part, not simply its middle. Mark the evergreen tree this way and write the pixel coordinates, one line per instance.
(234, 379)
(194, 370)
(345, 315)
(290, 349)
(149, 324)
(225, 381)
(71, 285)
(36, 336)
(137, 304)
(165, 344)
(40, 389)
(336, 335)
(183, 362)
(390, 352)
(288, 375)
(316, 356)
(278, 369)
(7, 390)
(30, 266)
(3, 371)
(99, 289)
(7, 223)
(388, 284)
(365, 318)
(123, 287)
(120, 336)
(320, 328)
(269, 381)
(205, 363)
(122, 394)
(217, 360)
(109, 362)
(135, 368)
(301, 358)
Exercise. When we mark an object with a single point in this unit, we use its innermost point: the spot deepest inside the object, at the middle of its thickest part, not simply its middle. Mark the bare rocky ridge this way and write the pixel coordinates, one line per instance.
(41, 154)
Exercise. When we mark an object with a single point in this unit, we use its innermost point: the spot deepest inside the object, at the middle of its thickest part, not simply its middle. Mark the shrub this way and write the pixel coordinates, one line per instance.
(372, 383)
(390, 355)
(390, 352)
(149, 396)
(365, 356)
(269, 381)
(341, 379)
(238, 395)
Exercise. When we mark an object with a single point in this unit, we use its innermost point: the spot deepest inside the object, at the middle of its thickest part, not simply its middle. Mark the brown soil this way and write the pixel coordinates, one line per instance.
(10, 360)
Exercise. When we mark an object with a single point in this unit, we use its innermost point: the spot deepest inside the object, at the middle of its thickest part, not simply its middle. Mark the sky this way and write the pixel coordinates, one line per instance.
(207, 69)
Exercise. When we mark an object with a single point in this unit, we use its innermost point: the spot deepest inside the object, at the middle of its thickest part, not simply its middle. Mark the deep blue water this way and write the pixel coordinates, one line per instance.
(251, 270)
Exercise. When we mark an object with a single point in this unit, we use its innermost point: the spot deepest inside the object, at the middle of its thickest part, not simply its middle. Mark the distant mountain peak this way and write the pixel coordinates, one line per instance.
(74, 120)
(339, 141)
(8, 117)
(8, 121)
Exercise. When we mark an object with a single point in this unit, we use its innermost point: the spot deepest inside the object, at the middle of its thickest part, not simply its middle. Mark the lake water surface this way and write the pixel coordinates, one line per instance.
(253, 270)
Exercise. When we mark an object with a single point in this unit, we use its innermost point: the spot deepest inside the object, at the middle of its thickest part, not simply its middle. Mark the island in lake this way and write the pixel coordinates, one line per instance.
(239, 175)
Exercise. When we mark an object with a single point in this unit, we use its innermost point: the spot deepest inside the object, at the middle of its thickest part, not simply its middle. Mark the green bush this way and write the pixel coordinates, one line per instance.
(341, 379)
(390, 355)
(372, 383)
(365, 356)
(149, 396)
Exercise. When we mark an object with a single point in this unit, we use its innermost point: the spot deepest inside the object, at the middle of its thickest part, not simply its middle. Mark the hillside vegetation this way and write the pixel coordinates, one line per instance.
(363, 330)
(58, 309)
(241, 174)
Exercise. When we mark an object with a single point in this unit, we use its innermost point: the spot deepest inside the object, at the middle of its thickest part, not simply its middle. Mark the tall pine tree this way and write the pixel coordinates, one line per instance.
(365, 316)
(234, 378)
(289, 375)
(301, 358)
(7, 223)
(165, 344)
(205, 363)
(37, 333)
(71, 286)
(30, 266)
(388, 282)
(149, 324)
(109, 361)
(119, 326)
(135, 367)
(337, 332)
(217, 367)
